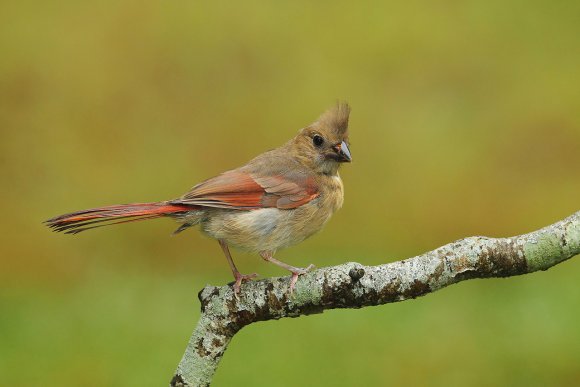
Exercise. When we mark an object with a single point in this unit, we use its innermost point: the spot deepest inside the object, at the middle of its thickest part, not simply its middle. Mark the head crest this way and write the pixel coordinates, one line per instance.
(335, 119)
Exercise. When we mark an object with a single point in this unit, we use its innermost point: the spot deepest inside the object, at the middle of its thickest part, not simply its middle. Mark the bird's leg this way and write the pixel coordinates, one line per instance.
(296, 271)
(237, 275)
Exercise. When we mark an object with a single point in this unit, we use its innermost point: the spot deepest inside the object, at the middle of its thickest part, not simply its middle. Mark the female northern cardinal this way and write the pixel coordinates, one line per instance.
(278, 199)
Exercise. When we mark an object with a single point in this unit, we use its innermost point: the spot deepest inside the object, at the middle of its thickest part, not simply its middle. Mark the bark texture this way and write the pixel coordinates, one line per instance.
(352, 285)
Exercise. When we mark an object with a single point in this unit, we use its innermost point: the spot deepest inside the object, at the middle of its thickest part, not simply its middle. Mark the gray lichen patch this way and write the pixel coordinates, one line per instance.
(308, 289)
(572, 236)
(543, 251)
(553, 244)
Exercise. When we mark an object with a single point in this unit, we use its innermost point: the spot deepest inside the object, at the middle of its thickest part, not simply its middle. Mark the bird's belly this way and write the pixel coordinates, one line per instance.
(267, 228)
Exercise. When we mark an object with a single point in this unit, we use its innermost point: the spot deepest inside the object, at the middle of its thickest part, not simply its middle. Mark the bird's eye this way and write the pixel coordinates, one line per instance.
(317, 141)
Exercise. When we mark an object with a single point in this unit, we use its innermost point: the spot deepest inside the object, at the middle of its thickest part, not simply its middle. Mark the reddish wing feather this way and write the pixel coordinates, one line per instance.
(243, 191)
(288, 192)
(232, 189)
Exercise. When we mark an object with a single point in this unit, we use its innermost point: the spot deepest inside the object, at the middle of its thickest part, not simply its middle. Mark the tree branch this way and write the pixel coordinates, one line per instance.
(352, 285)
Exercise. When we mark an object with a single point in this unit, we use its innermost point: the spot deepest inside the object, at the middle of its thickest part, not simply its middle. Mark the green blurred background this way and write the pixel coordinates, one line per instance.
(465, 121)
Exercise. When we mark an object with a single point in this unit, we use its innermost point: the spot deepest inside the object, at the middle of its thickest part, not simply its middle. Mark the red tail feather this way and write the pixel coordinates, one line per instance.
(76, 222)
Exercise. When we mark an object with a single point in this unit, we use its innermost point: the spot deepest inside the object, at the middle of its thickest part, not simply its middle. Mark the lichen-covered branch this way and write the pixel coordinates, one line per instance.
(352, 285)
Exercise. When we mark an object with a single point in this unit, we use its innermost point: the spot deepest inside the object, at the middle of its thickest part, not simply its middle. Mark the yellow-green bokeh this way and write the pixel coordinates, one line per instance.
(465, 121)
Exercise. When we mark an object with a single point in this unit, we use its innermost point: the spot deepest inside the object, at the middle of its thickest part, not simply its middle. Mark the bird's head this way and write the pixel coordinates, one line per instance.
(323, 145)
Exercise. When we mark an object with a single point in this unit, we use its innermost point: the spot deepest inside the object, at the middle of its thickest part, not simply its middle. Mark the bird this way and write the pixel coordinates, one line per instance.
(276, 200)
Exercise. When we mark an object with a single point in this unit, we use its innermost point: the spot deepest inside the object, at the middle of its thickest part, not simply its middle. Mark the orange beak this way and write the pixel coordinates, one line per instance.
(343, 152)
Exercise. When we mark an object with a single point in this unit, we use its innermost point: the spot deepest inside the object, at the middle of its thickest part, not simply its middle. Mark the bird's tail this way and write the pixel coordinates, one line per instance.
(78, 221)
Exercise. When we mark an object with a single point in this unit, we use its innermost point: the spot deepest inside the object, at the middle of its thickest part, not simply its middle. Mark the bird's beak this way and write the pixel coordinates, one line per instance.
(343, 152)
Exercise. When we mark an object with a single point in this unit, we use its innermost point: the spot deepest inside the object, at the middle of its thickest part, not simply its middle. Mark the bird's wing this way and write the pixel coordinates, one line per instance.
(243, 190)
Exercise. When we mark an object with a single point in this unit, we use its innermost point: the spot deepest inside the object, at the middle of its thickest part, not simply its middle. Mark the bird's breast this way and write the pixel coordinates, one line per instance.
(332, 194)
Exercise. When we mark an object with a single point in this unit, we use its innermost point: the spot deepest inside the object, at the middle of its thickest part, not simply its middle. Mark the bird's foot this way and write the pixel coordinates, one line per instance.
(296, 272)
(239, 279)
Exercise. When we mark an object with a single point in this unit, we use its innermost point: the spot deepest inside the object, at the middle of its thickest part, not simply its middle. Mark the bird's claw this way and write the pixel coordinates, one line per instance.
(298, 271)
(241, 278)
